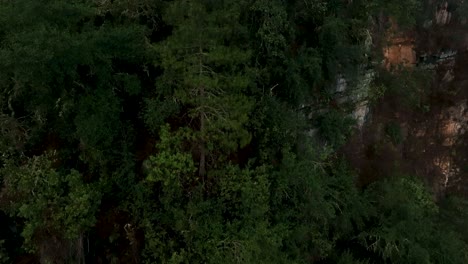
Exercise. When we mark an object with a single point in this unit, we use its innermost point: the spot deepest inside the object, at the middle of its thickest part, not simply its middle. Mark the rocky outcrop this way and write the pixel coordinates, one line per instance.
(355, 95)
(442, 15)
(431, 61)
(442, 136)
(400, 52)
(434, 136)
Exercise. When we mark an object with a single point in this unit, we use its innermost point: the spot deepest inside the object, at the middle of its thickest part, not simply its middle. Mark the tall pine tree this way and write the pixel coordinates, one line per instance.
(206, 72)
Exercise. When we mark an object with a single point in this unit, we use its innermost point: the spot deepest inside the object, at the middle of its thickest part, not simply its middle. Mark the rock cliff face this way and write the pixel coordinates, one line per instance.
(401, 51)
(442, 15)
(434, 140)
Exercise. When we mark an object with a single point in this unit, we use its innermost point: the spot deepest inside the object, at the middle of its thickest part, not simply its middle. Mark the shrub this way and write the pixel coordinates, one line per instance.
(393, 132)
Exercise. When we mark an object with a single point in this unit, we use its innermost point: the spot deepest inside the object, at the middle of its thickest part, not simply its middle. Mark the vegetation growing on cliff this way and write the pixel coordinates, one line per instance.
(179, 132)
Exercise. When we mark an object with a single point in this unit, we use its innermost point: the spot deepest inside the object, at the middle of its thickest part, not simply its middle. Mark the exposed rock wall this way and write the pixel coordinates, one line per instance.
(400, 52)
(434, 140)
(442, 15)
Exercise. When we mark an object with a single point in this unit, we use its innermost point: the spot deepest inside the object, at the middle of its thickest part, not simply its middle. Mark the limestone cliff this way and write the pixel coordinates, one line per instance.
(433, 137)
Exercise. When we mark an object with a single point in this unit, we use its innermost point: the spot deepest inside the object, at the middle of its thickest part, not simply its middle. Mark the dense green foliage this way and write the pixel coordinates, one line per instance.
(176, 132)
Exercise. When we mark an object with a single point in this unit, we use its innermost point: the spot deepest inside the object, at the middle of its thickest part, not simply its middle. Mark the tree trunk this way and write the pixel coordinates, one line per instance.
(202, 166)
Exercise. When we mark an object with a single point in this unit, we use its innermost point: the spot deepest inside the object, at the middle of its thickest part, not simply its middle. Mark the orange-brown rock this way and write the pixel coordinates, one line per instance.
(400, 52)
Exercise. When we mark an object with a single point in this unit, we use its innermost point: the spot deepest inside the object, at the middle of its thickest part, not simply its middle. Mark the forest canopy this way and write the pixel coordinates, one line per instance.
(202, 131)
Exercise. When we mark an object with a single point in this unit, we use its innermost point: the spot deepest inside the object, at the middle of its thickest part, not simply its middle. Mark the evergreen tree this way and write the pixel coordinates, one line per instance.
(206, 72)
(57, 208)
